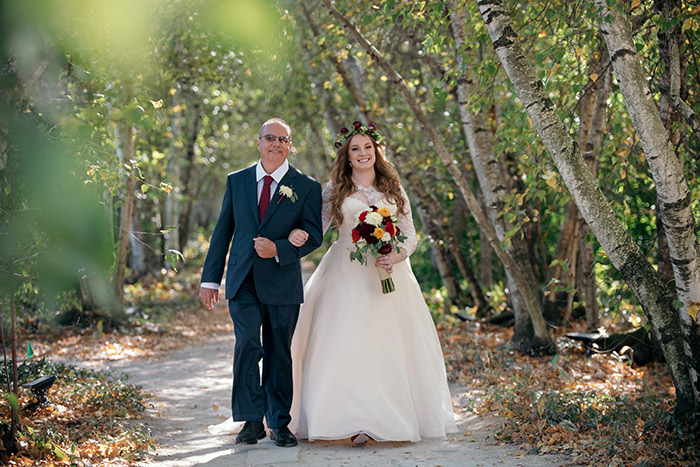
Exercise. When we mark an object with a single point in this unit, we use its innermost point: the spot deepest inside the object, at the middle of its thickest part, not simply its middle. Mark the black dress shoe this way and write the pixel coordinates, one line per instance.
(283, 437)
(251, 433)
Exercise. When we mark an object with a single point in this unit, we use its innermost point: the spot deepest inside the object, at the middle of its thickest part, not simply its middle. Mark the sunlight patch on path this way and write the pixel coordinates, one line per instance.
(192, 389)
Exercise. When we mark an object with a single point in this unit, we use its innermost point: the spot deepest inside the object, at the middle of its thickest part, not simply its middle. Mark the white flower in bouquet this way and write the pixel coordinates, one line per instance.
(374, 218)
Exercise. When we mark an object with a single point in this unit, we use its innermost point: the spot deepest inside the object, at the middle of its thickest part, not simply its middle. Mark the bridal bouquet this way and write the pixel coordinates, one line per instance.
(376, 233)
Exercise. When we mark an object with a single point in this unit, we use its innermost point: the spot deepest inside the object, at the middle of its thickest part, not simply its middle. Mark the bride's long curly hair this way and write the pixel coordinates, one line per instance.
(386, 181)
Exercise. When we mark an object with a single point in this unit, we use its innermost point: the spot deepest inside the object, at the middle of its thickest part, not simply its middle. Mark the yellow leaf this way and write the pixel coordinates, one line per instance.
(552, 182)
(623, 174)
(383, 78)
(594, 77)
(635, 3)
(450, 195)
(157, 104)
(693, 309)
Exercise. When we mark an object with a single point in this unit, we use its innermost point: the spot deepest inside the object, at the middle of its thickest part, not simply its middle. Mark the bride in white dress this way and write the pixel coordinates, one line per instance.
(366, 363)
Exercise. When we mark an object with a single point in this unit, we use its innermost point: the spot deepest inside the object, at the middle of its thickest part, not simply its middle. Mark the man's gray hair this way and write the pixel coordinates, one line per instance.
(275, 120)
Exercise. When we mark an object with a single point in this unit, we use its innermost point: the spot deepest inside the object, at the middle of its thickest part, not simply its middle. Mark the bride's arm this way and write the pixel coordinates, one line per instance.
(298, 237)
(408, 229)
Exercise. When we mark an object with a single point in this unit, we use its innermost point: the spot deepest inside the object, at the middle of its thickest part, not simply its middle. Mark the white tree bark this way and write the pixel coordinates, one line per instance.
(543, 341)
(621, 248)
(125, 149)
(172, 204)
(673, 194)
(492, 179)
(666, 168)
(591, 139)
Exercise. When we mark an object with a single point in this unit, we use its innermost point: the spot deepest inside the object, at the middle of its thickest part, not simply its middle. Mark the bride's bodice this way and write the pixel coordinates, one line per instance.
(360, 201)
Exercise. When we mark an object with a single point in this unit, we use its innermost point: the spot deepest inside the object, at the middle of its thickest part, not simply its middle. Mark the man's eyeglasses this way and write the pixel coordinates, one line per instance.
(272, 138)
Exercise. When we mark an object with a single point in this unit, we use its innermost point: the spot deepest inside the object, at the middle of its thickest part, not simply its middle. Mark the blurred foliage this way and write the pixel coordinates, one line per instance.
(196, 78)
(88, 420)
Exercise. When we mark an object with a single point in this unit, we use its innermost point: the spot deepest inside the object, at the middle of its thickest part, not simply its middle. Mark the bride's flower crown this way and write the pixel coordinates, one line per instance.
(358, 129)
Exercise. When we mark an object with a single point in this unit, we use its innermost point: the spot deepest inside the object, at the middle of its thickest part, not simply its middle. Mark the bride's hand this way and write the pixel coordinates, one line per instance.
(298, 237)
(386, 262)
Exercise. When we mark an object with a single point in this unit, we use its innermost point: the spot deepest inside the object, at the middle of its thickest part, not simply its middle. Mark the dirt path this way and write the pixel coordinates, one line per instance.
(192, 389)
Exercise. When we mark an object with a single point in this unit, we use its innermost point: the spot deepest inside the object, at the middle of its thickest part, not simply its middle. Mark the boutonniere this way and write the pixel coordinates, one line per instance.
(286, 191)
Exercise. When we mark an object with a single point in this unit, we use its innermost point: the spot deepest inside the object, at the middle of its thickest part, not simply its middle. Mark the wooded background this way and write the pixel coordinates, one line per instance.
(550, 148)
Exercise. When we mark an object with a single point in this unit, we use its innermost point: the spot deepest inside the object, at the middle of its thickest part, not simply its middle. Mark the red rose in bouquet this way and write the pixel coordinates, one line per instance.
(376, 233)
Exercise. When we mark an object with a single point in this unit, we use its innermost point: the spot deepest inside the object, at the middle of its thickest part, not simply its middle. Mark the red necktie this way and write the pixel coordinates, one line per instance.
(264, 197)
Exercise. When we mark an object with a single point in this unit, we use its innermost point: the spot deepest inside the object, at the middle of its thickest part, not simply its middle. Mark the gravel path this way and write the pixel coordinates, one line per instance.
(192, 389)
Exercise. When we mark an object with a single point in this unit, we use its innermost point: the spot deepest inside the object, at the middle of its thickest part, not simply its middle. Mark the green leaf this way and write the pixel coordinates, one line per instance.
(133, 114)
(677, 304)
(56, 451)
(146, 123)
(30, 352)
(12, 399)
(172, 257)
(144, 188)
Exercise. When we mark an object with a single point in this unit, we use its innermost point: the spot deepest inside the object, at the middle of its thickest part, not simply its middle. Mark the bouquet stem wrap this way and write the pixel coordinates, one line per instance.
(386, 280)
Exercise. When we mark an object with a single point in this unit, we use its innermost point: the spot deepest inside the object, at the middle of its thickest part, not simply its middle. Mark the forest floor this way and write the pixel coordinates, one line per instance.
(512, 409)
(191, 390)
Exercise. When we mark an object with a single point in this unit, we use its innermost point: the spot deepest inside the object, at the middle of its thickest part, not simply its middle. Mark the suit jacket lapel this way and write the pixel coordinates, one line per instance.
(275, 201)
(251, 192)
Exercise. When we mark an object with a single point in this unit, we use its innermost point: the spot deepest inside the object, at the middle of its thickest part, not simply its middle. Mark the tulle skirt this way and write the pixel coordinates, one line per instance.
(364, 361)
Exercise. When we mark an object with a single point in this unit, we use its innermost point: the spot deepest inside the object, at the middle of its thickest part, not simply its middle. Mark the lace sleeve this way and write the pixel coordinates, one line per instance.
(326, 214)
(407, 227)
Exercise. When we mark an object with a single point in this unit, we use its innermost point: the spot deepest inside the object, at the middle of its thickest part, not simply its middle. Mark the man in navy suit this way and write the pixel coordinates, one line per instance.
(264, 287)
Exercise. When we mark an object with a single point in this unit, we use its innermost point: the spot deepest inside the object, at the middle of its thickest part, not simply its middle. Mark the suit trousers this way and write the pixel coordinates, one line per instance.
(271, 397)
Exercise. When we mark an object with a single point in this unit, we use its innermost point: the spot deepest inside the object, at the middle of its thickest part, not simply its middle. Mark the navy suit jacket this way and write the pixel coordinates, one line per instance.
(275, 283)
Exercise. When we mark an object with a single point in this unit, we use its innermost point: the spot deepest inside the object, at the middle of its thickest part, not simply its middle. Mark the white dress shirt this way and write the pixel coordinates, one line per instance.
(259, 176)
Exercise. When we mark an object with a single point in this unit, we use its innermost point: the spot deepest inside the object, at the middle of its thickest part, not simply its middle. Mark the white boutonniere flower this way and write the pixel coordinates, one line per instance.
(288, 192)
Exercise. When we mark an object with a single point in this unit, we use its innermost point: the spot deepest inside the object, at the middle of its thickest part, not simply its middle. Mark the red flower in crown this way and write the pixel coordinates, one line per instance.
(357, 129)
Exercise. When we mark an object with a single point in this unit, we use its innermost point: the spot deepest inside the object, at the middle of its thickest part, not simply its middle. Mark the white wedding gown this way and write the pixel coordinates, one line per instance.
(365, 362)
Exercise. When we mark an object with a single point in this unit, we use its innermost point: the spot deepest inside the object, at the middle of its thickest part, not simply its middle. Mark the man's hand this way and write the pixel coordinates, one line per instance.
(209, 297)
(298, 237)
(265, 248)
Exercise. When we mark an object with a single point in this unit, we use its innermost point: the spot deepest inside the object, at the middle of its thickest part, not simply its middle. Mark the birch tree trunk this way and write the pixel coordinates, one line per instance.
(492, 178)
(172, 205)
(671, 186)
(591, 140)
(188, 181)
(668, 47)
(445, 233)
(353, 80)
(542, 341)
(674, 72)
(673, 194)
(621, 248)
(125, 141)
(138, 256)
(438, 253)
(559, 276)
